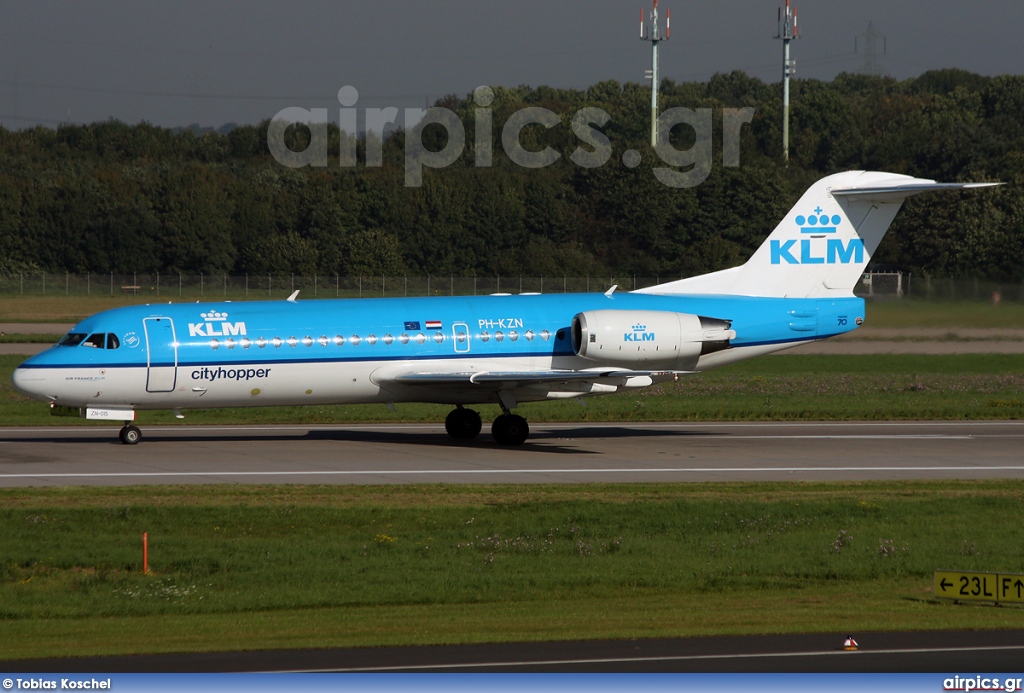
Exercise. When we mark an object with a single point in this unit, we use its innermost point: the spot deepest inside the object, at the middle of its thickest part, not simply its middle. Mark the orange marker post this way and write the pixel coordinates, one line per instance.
(145, 553)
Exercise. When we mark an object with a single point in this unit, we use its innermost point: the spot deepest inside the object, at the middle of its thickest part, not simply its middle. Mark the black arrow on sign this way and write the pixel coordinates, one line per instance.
(1018, 585)
(946, 585)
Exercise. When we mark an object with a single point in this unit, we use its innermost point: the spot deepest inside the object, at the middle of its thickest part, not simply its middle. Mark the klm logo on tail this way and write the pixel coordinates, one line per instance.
(816, 248)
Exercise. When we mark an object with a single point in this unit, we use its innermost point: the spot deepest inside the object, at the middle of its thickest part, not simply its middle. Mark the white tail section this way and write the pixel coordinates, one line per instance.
(823, 244)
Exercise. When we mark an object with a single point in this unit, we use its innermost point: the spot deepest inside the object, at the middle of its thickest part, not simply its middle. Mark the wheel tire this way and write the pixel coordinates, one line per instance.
(473, 424)
(463, 424)
(518, 430)
(130, 435)
(499, 430)
(510, 429)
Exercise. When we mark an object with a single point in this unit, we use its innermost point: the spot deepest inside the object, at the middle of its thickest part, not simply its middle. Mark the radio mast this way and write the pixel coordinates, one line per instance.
(649, 31)
(787, 32)
(871, 36)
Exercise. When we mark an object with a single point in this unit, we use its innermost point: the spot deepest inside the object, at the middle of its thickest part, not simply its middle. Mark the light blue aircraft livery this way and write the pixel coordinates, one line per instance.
(465, 350)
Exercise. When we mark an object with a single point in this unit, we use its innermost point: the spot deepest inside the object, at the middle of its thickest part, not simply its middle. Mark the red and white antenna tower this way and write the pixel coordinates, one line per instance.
(650, 31)
(787, 31)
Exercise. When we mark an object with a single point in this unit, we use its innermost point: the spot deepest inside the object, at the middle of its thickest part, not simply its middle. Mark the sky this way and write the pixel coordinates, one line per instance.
(212, 62)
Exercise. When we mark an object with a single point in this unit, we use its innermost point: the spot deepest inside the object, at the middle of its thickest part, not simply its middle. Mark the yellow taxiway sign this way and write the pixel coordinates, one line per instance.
(979, 587)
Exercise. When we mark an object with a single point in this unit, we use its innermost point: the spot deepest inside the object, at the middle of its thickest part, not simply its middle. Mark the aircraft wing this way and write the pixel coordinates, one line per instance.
(522, 378)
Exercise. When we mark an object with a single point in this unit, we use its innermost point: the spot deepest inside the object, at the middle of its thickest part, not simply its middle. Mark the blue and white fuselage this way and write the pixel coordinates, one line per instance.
(365, 350)
(796, 288)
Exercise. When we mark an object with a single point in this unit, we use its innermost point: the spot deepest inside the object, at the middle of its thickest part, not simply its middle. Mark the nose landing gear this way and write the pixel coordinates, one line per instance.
(130, 435)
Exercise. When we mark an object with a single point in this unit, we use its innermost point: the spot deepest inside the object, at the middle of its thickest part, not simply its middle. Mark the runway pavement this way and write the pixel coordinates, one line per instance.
(555, 453)
(961, 652)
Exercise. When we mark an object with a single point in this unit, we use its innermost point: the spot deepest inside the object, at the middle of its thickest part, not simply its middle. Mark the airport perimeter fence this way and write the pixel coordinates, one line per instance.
(235, 287)
(877, 285)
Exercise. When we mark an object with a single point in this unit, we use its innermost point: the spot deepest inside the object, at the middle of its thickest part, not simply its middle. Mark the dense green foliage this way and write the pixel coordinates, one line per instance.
(110, 197)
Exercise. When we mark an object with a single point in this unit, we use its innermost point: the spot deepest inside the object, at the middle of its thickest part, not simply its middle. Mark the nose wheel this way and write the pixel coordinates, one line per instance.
(463, 424)
(130, 435)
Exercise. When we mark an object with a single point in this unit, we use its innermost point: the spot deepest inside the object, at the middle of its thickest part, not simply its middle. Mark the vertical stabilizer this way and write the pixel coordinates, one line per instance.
(823, 244)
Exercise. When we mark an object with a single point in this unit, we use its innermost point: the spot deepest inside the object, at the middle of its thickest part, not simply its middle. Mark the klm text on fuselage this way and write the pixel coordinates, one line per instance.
(216, 329)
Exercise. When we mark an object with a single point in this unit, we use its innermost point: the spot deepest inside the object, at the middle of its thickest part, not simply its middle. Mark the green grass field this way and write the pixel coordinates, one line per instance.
(266, 567)
(914, 313)
(29, 338)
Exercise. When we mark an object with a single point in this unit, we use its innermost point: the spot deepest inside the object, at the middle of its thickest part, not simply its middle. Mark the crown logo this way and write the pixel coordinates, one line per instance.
(213, 315)
(639, 328)
(818, 223)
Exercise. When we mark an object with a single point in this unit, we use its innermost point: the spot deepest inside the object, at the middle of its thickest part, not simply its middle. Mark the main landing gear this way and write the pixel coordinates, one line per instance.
(508, 429)
(130, 435)
(463, 424)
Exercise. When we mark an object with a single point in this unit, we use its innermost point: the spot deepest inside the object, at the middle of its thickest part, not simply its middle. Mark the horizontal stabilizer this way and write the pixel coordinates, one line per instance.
(901, 189)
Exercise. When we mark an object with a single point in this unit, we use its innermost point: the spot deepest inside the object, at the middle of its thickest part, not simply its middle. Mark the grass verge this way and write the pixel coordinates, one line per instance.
(239, 568)
(30, 338)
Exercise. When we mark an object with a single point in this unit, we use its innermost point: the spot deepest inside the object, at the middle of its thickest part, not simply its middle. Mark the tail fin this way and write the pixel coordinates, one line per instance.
(823, 244)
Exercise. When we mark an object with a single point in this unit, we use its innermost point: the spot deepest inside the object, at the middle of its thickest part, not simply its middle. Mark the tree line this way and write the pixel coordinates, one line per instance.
(112, 197)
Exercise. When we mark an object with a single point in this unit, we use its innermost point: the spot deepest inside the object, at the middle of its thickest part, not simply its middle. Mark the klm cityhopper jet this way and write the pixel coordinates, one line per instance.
(464, 350)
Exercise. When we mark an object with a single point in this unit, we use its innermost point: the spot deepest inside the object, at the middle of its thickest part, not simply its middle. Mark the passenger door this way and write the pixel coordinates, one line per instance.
(161, 354)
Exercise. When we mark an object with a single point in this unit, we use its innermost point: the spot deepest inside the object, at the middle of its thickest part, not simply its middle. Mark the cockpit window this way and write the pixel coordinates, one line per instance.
(112, 341)
(95, 340)
(71, 339)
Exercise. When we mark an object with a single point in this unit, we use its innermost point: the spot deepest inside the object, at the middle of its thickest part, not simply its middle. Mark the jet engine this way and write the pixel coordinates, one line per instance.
(648, 337)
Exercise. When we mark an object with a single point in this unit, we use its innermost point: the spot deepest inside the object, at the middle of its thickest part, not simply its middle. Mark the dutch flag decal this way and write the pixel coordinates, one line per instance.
(433, 324)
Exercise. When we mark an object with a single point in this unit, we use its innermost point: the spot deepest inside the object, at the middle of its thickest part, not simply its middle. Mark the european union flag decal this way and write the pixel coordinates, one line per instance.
(412, 324)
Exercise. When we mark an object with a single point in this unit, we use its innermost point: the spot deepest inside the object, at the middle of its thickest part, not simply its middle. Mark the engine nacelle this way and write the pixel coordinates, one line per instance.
(648, 337)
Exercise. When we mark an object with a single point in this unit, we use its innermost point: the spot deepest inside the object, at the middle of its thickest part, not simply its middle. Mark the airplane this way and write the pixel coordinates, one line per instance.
(500, 349)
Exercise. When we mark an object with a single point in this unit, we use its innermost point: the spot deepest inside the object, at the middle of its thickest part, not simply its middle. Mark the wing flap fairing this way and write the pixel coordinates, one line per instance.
(514, 378)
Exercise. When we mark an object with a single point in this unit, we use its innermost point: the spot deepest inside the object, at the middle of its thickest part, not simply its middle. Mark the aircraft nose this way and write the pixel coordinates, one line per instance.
(31, 382)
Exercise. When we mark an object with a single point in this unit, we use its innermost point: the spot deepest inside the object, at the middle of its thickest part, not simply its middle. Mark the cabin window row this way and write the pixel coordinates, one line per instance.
(371, 339)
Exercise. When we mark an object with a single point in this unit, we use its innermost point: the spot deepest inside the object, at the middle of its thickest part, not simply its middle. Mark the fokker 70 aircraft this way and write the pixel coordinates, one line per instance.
(464, 350)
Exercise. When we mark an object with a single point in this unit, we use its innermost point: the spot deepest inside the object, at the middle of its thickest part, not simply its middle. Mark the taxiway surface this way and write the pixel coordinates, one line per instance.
(923, 652)
(555, 453)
